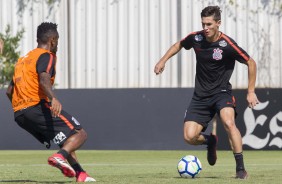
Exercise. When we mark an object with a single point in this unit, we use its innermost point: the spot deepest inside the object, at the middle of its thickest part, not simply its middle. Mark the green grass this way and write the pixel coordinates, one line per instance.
(142, 167)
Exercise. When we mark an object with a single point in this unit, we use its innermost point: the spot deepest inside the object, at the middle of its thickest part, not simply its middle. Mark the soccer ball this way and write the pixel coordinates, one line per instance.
(189, 166)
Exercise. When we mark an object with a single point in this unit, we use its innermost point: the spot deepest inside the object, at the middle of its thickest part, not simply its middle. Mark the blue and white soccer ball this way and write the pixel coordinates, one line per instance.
(189, 166)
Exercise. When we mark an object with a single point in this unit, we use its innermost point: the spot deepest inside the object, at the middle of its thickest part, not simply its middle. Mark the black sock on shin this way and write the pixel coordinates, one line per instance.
(239, 161)
(77, 167)
(64, 153)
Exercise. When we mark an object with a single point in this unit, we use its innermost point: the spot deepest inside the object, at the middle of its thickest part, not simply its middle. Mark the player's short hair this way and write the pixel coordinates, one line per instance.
(45, 30)
(212, 11)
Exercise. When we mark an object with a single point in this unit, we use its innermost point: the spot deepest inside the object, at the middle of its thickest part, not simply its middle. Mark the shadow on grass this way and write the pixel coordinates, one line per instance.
(33, 181)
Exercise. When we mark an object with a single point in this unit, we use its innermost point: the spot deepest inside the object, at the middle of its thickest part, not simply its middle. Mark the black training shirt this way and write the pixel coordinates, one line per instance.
(46, 63)
(215, 62)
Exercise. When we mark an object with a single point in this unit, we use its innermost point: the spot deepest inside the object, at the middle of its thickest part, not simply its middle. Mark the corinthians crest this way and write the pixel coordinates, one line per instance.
(217, 54)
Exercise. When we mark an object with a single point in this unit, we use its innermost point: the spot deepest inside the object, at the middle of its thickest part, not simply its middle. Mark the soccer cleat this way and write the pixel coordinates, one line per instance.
(241, 174)
(212, 143)
(58, 161)
(84, 177)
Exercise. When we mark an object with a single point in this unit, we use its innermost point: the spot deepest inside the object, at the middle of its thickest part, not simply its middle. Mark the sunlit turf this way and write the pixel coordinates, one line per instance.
(142, 167)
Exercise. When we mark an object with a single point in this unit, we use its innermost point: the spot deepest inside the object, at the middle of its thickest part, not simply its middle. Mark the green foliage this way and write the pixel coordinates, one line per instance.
(9, 56)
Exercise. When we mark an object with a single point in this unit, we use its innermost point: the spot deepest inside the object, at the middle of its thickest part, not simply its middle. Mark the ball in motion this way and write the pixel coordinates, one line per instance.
(189, 166)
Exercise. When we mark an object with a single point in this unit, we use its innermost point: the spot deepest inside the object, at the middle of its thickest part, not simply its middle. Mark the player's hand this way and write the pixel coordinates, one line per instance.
(56, 107)
(252, 99)
(159, 68)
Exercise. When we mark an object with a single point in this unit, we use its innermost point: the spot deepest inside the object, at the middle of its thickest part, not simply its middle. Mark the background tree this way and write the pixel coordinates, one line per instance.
(9, 56)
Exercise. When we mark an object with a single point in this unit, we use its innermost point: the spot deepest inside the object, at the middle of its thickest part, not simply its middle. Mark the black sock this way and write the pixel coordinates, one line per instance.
(239, 161)
(77, 167)
(64, 153)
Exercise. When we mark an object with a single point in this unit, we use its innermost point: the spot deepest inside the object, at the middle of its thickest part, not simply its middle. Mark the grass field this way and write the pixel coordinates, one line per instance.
(142, 167)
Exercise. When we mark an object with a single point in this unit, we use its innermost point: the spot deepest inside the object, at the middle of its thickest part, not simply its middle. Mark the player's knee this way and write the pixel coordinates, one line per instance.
(229, 125)
(83, 134)
(190, 139)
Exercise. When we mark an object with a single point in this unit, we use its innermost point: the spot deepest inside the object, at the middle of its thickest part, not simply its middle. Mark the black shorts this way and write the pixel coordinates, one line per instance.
(202, 110)
(38, 121)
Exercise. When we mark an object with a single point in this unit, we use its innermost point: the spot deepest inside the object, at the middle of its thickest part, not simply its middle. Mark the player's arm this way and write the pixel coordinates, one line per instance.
(45, 68)
(174, 49)
(242, 56)
(10, 90)
(252, 73)
(46, 86)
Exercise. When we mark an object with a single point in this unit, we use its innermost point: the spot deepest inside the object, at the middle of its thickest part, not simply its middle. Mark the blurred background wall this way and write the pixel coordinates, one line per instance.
(116, 43)
(112, 47)
(149, 119)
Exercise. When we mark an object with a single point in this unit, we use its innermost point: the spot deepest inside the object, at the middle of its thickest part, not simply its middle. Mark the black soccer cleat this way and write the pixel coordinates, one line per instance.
(212, 144)
(241, 174)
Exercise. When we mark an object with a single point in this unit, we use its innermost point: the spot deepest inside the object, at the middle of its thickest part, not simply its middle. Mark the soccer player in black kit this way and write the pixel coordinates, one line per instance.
(216, 54)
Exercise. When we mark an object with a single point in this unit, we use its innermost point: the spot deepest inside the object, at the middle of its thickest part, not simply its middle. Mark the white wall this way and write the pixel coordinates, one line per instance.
(116, 43)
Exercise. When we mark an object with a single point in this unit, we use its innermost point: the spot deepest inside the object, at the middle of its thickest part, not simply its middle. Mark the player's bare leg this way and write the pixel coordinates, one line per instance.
(227, 116)
(214, 130)
(73, 143)
(214, 126)
(192, 135)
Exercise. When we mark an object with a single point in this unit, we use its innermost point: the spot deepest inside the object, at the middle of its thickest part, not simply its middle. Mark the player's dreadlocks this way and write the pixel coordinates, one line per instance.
(212, 11)
(45, 30)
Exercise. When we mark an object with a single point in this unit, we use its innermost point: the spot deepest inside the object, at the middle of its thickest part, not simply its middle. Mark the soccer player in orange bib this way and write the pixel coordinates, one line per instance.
(38, 110)
(216, 54)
